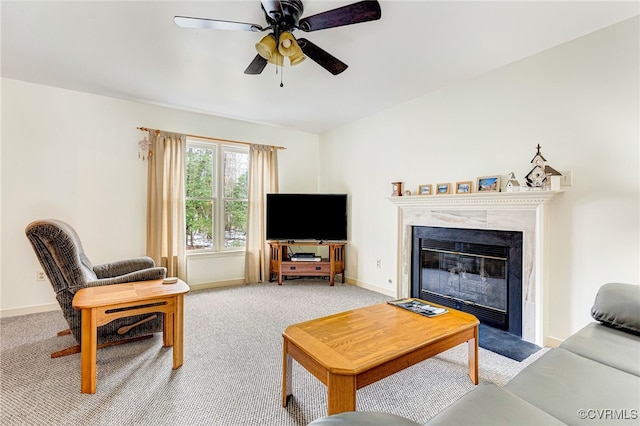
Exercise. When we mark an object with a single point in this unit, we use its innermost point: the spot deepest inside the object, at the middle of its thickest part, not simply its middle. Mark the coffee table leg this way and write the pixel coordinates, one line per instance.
(473, 357)
(88, 351)
(286, 374)
(341, 393)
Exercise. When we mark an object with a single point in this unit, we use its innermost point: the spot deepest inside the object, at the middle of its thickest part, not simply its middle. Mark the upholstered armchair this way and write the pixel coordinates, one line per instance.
(63, 259)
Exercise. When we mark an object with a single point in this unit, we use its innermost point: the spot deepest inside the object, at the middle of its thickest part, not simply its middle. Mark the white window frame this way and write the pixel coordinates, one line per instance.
(217, 196)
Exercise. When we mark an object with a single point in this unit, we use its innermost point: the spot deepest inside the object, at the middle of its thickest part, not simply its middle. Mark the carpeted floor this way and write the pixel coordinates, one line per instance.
(232, 367)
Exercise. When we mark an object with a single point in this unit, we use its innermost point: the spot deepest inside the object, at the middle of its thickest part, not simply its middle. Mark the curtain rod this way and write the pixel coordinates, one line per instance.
(146, 129)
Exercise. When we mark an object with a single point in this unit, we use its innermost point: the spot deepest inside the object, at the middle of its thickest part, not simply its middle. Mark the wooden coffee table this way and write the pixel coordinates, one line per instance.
(353, 349)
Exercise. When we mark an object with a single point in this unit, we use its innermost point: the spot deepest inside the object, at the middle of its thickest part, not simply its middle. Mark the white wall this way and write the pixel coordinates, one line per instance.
(74, 156)
(580, 101)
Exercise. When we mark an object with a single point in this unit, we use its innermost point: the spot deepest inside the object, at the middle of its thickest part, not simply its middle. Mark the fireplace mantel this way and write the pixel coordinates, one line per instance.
(505, 200)
(511, 211)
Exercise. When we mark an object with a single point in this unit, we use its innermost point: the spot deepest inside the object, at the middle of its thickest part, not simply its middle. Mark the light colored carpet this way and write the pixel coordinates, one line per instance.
(232, 367)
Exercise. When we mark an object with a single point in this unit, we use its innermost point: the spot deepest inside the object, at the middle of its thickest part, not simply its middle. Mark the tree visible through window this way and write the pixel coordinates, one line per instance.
(216, 196)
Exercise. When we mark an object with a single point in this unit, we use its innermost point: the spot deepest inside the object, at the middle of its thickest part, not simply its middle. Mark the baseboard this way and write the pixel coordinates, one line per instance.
(6, 313)
(552, 342)
(367, 286)
(205, 286)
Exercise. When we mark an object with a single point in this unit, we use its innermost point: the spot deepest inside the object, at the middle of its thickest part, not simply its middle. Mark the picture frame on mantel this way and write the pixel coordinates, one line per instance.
(489, 184)
(463, 187)
(443, 188)
(424, 189)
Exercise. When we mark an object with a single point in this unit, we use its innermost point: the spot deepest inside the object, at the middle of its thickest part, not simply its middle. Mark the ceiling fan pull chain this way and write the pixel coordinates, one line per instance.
(281, 73)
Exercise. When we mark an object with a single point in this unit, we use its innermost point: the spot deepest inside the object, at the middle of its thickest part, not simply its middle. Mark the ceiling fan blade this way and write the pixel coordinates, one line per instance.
(355, 13)
(273, 8)
(332, 64)
(256, 66)
(215, 24)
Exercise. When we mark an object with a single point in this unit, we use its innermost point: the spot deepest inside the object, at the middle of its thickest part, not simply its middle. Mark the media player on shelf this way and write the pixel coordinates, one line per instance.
(305, 257)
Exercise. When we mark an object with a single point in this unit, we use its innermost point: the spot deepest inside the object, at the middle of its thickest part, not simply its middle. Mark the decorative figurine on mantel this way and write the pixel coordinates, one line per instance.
(543, 176)
(537, 177)
(397, 189)
(512, 184)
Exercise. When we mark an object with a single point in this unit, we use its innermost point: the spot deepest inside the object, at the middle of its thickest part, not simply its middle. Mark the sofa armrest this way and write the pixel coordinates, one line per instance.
(122, 267)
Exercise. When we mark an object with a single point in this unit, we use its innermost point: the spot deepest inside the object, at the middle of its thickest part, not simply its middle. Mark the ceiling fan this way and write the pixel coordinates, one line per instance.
(283, 17)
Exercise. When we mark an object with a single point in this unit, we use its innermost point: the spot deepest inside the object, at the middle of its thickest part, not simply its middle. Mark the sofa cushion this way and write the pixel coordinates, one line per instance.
(363, 418)
(615, 348)
(577, 390)
(618, 306)
(490, 405)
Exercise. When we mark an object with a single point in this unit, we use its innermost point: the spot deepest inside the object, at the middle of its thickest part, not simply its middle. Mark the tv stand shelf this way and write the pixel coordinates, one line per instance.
(282, 266)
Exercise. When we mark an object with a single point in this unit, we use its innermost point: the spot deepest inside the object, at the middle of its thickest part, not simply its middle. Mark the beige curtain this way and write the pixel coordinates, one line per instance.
(263, 179)
(165, 202)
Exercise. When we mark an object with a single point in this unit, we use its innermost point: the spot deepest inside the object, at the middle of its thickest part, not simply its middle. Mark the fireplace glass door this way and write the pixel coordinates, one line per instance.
(478, 271)
(471, 278)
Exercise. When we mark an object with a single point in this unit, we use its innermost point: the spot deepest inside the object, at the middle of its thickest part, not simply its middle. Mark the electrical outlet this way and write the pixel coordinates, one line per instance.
(40, 276)
(567, 178)
(378, 263)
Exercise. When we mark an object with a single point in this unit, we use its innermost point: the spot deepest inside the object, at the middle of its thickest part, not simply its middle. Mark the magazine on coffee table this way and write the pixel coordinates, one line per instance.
(418, 306)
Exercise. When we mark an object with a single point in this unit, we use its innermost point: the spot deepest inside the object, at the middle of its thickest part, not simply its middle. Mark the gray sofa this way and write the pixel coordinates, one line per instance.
(593, 378)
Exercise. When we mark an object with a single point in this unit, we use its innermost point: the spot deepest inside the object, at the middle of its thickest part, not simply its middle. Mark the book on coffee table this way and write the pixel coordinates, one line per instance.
(418, 306)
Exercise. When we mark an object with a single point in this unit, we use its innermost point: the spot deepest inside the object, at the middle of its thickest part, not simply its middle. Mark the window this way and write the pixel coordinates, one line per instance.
(216, 186)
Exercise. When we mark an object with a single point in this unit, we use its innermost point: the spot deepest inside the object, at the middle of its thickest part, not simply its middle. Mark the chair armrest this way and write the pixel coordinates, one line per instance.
(158, 272)
(122, 267)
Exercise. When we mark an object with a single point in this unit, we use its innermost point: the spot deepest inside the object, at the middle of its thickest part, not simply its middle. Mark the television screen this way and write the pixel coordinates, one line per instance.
(320, 217)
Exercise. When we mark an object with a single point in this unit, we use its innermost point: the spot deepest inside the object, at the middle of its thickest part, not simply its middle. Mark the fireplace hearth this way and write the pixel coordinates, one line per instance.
(473, 270)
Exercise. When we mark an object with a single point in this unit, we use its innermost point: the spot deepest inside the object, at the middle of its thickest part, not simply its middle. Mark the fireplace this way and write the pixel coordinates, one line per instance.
(473, 270)
(523, 212)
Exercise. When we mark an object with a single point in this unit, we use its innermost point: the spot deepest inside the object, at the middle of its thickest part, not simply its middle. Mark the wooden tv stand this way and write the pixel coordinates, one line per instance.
(282, 266)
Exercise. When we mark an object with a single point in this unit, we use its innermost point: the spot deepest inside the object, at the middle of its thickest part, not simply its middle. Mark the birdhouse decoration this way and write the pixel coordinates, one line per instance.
(512, 184)
(554, 178)
(537, 177)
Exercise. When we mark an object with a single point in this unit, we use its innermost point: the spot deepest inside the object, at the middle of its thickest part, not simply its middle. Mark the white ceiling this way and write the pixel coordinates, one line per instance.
(134, 50)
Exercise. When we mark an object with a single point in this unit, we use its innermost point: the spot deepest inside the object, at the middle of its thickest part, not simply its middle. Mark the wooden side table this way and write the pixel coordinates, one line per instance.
(103, 304)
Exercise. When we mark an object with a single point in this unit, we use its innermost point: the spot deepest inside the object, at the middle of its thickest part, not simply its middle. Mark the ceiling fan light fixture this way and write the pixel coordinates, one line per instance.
(276, 59)
(267, 46)
(296, 58)
(288, 46)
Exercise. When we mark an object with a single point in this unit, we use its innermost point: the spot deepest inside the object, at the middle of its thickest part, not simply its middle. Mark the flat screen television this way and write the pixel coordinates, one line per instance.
(321, 217)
